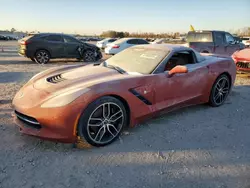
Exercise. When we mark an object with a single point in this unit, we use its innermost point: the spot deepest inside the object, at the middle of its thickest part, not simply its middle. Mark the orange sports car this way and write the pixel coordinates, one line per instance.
(95, 102)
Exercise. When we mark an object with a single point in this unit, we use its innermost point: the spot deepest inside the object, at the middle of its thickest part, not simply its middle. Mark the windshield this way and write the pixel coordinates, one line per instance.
(139, 59)
(199, 37)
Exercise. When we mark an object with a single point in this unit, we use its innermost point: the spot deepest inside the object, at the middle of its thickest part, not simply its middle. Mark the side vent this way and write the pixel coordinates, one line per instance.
(55, 79)
(139, 96)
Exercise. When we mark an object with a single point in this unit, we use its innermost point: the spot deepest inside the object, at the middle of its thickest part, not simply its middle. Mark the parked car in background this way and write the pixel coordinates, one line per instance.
(218, 42)
(159, 41)
(103, 43)
(242, 60)
(45, 46)
(3, 37)
(246, 41)
(122, 44)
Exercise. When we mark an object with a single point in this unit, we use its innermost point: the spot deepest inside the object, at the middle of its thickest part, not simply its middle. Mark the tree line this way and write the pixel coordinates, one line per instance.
(121, 34)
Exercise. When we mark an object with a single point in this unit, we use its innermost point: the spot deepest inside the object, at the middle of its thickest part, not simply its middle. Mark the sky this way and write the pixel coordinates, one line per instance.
(95, 16)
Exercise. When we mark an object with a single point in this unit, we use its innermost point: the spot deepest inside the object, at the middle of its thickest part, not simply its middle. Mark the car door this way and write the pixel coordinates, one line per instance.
(231, 45)
(181, 89)
(71, 46)
(55, 44)
(219, 45)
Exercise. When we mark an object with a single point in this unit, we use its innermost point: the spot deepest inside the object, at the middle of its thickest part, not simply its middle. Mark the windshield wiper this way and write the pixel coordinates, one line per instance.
(119, 69)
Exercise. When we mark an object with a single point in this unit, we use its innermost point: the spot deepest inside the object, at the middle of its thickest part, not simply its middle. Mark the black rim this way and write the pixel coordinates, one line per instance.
(105, 123)
(89, 56)
(42, 57)
(221, 90)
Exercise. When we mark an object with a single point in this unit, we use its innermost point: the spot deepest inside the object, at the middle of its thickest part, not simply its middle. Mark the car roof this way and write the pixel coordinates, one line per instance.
(39, 34)
(200, 31)
(167, 47)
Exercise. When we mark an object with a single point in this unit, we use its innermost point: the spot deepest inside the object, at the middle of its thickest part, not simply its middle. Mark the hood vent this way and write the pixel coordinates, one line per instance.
(55, 79)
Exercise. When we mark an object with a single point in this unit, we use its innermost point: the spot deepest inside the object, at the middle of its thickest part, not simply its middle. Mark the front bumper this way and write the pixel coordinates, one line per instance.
(55, 124)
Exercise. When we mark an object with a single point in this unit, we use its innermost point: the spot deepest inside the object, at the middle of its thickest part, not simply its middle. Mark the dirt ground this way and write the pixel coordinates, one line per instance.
(198, 146)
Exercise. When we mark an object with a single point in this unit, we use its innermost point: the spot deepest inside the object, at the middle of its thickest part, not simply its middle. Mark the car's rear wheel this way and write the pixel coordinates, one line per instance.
(89, 56)
(220, 91)
(42, 57)
(102, 121)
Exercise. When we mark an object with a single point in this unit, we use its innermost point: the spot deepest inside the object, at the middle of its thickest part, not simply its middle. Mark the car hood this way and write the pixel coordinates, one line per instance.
(242, 55)
(85, 76)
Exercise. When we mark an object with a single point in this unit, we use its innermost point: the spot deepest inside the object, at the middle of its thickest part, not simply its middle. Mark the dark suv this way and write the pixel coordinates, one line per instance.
(218, 42)
(45, 46)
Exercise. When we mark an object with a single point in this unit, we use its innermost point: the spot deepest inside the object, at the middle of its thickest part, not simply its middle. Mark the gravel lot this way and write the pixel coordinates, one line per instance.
(197, 146)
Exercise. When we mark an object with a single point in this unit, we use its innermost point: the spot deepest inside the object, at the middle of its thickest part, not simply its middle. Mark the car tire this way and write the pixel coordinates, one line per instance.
(32, 59)
(42, 57)
(89, 56)
(219, 91)
(99, 128)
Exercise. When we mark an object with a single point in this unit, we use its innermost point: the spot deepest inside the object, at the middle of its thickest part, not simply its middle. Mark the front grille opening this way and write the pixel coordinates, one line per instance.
(27, 120)
(243, 64)
(55, 79)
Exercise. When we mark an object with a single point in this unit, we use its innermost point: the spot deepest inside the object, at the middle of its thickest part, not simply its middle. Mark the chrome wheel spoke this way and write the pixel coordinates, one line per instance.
(95, 124)
(113, 127)
(114, 115)
(114, 120)
(217, 87)
(106, 113)
(225, 90)
(217, 96)
(223, 83)
(100, 134)
(110, 131)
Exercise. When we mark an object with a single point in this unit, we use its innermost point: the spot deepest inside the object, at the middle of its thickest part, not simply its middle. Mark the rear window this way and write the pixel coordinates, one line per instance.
(199, 37)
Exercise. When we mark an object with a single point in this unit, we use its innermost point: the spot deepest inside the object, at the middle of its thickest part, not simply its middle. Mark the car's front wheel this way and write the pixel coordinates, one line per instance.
(42, 57)
(102, 121)
(220, 91)
(89, 56)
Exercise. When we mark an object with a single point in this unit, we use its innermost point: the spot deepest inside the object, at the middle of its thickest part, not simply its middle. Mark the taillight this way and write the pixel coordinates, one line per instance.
(116, 46)
(24, 42)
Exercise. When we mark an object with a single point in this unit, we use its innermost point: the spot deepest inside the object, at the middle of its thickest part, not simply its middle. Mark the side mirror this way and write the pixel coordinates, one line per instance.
(177, 69)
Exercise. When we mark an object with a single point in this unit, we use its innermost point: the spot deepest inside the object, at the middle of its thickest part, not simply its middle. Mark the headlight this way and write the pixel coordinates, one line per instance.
(64, 98)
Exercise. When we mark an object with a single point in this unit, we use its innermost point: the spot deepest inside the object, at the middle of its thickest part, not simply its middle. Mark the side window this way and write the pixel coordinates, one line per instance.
(218, 37)
(229, 38)
(132, 41)
(142, 41)
(112, 40)
(180, 58)
(54, 38)
(70, 39)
